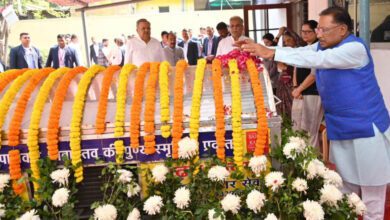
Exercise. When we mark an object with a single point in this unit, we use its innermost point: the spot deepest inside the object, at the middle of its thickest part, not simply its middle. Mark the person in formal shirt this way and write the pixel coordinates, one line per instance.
(94, 50)
(115, 54)
(190, 48)
(103, 54)
(356, 117)
(25, 55)
(210, 44)
(172, 54)
(2, 67)
(222, 30)
(61, 55)
(143, 48)
(164, 39)
(236, 30)
(74, 44)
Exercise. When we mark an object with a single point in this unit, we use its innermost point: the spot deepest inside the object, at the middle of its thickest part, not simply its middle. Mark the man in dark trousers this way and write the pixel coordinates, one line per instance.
(61, 55)
(25, 55)
(94, 50)
(190, 48)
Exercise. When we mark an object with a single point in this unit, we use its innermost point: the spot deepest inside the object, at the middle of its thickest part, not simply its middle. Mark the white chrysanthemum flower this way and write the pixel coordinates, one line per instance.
(153, 204)
(125, 176)
(301, 144)
(211, 214)
(187, 148)
(355, 202)
(2, 210)
(133, 189)
(290, 150)
(105, 212)
(333, 178)
(271, 216)
(30, 215)
(182, 198)
(134, 215)
(4, 180)
(218, 173)
(60, 176)
(60, 197)
(299, 185)
(274, 180)
(159, 173)
(231, 203)
(258, 164)
(312, 210)
(255, 200)
(330, 195)
(315, 168)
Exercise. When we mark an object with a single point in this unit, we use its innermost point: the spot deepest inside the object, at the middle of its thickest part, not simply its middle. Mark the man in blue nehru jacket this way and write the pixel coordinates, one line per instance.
(356, 117)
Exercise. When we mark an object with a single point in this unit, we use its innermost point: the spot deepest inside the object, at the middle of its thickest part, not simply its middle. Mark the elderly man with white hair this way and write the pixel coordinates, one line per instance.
(236, 31)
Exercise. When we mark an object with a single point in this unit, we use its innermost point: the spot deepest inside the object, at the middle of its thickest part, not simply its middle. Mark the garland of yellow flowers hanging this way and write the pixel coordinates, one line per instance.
(164, 99)
(8, 76)
(262, 126)
(136, 105)
(16, 121)
(177, 127)
(196, 98)
(56, 109)
(150, 100)
(11, 92)
(236, 114)
(76, 121)
(219, 109)
(103, 98)
(121, 110)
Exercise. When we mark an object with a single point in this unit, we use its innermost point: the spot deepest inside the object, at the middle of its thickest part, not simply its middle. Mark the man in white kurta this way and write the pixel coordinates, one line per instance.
(143, 48)
(236, 30)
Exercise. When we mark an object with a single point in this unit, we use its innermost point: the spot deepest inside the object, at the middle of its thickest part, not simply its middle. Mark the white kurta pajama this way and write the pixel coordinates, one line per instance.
(363, 163)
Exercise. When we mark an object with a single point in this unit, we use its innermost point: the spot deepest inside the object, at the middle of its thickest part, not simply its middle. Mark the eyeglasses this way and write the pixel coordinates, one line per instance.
(306, 32)
(324, 30)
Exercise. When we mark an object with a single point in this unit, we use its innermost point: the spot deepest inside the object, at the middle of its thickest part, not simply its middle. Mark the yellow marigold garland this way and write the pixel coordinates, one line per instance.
(164, 99)
(56, 109)
(8, 76)
(16, 121)
(262, 126)
(136, 105)
(77, 115)
(177, 127)
(121, 110)
(236, 114)
(150, 100)
(219, 108)
(11, 92)
(196, 98)
(100, 123)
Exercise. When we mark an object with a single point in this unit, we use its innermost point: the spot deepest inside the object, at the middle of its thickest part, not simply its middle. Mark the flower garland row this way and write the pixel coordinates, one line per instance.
(15, 171)
(77, 116)
(56, 109)
(219, 109)
(16, 121)
(100, 124)
(8, 76)
(196, 98)
(262, 125)
(121, 110)
(136, 106)
(149, 137)
(236, 114)
(10, 94)
(177, 127)
(164, 99)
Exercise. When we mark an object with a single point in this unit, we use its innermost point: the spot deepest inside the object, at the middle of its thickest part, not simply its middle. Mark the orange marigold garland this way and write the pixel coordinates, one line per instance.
(150, 99)
(102, 109)
(15, 171)
(8, 76)
(262, 125)
(219, 109)
(136, 105)
(177, 127)
(56, 109)
(14, 127)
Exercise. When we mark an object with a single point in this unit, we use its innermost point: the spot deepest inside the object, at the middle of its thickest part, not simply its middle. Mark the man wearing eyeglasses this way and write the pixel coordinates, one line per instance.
(25, 55)
(356, 117)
